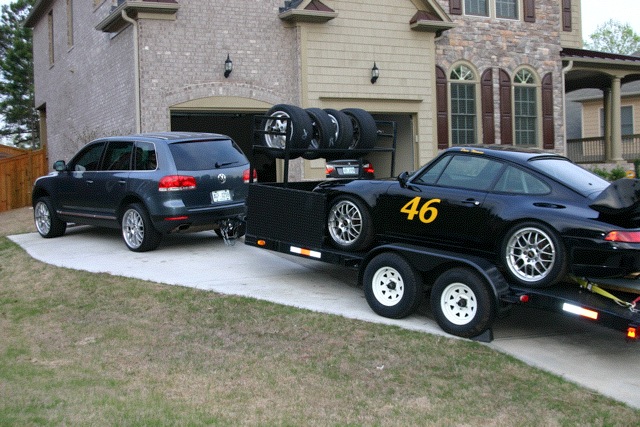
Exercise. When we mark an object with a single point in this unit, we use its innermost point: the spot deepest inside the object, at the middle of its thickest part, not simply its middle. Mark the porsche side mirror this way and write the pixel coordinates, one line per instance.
(403, 178)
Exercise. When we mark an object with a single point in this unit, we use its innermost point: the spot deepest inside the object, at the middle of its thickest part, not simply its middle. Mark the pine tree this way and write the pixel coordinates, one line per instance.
(18, 116)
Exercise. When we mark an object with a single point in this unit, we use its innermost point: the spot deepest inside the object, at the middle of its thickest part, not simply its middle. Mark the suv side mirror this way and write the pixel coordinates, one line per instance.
(60, 166)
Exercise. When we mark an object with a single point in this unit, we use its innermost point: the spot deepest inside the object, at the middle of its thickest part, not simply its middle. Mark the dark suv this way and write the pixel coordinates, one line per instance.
(147, 185)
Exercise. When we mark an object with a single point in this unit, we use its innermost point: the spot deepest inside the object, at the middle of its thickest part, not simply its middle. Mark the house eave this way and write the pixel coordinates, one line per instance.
(134, 9)
(314, 16)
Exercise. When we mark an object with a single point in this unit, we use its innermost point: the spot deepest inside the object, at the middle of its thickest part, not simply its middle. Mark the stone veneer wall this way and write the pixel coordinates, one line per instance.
(508, 44)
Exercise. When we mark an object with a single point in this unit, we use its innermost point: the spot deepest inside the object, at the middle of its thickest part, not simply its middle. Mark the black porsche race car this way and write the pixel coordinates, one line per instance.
(537, 215)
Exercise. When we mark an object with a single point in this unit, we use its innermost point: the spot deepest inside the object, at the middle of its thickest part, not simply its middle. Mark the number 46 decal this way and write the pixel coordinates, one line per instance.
(426, 213)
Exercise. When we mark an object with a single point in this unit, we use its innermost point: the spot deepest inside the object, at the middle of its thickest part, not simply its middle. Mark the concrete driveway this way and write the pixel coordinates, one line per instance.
(584, 353)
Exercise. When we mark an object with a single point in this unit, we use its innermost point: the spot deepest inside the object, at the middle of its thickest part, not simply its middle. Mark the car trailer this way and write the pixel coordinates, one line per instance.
(467, 293)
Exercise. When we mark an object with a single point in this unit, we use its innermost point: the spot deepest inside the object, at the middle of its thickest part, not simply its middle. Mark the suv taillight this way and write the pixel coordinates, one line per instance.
(177, 183)
(623, 236)
(368, 168)
(328, 169)
(246, 174)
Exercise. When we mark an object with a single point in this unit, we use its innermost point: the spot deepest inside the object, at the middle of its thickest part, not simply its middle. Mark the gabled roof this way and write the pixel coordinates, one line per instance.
(431, 18)
(311, 11)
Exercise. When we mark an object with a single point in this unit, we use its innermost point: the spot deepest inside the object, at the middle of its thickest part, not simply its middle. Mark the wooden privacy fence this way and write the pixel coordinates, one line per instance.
(17, 174)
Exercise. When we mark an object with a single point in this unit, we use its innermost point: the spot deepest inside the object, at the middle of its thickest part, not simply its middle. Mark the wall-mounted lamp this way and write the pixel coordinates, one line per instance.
(375, 73)
(228, 66)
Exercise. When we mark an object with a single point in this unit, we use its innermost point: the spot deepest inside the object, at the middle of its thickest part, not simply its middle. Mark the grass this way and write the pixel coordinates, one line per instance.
(93, 349)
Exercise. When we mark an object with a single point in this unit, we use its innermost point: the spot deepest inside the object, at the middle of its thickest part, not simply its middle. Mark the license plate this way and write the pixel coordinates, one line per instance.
(220, 196)
(349, 170)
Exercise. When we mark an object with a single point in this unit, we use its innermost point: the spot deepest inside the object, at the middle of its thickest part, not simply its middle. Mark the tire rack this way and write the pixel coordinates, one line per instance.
(335, 153)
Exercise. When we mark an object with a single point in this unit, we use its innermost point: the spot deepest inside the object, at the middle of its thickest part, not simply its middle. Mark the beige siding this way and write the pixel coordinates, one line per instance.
(338, 57)
(591, 116)
(574, 38)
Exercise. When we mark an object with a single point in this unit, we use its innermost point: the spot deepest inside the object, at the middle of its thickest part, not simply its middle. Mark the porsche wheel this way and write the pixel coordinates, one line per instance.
(533, 255)
(349, 224)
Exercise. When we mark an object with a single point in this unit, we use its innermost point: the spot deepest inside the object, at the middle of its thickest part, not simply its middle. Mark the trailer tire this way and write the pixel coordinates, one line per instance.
(392, 287)
(349, 224)
(365, 130)
(277, 135)
(343, 129)
(462, 303)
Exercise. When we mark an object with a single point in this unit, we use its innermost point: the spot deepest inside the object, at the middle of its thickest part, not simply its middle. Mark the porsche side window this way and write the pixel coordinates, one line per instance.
(88, 159)
(431, 175)
(472, 172)
(517, 181)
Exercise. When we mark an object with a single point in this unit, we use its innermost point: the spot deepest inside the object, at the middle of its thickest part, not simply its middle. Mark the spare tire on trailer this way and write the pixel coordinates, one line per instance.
(343, 129)
(322, 132)
(286, 124)
(365, 130)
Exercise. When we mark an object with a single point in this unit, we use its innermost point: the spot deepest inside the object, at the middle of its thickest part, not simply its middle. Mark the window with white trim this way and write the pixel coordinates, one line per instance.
(525, 101)
(463, 83)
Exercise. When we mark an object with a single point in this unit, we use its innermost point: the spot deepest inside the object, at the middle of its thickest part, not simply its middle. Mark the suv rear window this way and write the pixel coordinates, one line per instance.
(206, 155)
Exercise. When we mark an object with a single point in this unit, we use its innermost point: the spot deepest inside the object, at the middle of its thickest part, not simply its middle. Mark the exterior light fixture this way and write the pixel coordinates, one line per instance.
(228, 66)
(375, 73)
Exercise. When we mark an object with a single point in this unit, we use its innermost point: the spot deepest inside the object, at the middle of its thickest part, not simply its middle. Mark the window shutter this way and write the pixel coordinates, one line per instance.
(566, 15)
(506, 116)
(455, 7)
(442, 109)
(548, 133)
(488, 123)
(529, 10)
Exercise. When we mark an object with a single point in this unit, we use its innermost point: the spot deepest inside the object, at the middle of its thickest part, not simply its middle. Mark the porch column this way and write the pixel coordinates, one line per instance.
(606, 101)
(616, 120)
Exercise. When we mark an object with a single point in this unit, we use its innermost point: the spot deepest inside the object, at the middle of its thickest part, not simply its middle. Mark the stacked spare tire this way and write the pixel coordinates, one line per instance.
(314, 132)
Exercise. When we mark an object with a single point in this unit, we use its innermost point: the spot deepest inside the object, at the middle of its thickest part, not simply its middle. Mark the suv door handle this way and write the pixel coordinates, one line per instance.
(473, 202)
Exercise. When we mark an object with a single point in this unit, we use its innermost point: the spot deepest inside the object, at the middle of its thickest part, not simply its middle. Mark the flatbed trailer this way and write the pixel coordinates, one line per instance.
(470, 291)
(467, 293)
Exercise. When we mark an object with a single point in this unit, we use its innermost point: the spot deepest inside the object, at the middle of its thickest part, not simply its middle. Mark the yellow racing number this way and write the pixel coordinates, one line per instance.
(427, 213)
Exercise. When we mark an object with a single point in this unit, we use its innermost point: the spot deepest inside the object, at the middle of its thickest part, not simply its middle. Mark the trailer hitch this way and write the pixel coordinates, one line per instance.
(229, 230)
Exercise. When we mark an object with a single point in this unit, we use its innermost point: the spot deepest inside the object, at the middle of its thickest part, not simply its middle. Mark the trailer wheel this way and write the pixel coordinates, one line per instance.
(343, 129)
(365, 130)
(349, 224)
(391, 286)
(277, 134)
(461, 303)
(533, 255)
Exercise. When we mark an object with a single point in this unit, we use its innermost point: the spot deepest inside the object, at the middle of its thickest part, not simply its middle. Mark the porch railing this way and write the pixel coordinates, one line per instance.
(591, 150)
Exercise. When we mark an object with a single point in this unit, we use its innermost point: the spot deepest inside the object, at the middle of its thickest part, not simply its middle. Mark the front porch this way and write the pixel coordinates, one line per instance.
(592, 150)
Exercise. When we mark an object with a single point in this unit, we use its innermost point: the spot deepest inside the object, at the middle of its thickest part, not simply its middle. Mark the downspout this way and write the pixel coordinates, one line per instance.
(136, 62)
(565, 70)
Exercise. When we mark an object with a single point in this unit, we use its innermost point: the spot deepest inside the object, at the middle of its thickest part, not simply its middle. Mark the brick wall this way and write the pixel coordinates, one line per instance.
(88, 91)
